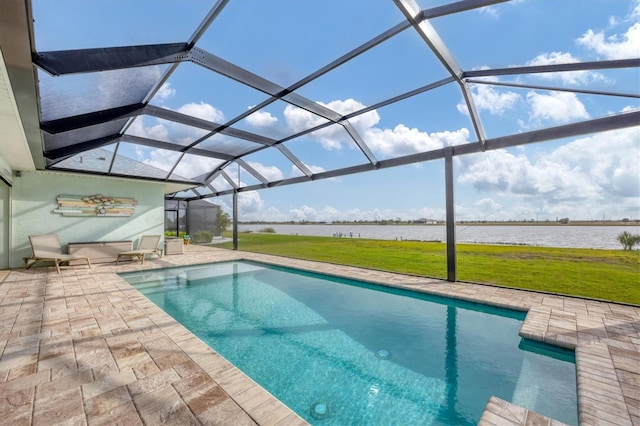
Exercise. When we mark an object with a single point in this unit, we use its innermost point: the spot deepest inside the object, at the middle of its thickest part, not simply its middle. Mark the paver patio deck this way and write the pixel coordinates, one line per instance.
(84, 347)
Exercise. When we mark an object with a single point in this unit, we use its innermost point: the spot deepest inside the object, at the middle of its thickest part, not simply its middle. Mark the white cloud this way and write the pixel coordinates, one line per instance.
(159, 131)
(487, 98)
(615, 46)
(295, 171)
(304, 213)
(581, 180)
(167, 132)
(202, 110)
(402, 140)
(486, 207)
(332, 214)
(271, 173)
(261, 119)
(249, 203)
(299, 119)
(165, 92)
(331, 137)
(609, 159)
(635, 13)
(176, 132)
(162, 160)
(191, 166)
(583, 177)
(251, 206)
(493, 11)
(559, 107)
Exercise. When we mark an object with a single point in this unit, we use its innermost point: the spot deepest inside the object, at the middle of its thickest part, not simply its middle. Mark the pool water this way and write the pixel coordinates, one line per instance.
(342, 352)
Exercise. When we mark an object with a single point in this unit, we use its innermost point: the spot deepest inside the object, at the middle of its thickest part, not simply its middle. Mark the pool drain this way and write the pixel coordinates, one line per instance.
(319, 410)
(383, 354)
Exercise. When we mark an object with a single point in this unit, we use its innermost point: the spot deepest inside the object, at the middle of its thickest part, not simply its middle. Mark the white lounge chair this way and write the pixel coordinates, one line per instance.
(148, 245)
(47, 248)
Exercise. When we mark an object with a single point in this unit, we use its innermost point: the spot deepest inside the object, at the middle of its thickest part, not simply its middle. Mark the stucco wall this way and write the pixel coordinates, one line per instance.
(34, 199)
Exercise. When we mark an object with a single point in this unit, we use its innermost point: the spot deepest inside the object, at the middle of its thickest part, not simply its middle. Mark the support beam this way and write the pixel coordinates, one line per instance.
(451, 216)
(412, 12)
(169, 146)
(235, 210)
(235, 220)
(555, 88)
(291, 157)
(208, 20)
(251, 170)
(234, 72)
(359, 141)
(536, 69)
(212, 127)
(457, 7)
(597, 125)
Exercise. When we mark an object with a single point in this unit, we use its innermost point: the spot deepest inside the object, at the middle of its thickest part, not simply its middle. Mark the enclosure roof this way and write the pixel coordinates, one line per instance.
(240, 95)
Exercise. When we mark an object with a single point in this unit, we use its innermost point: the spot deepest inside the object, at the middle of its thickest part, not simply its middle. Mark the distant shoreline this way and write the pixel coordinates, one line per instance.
(575, 223)
(465, 223)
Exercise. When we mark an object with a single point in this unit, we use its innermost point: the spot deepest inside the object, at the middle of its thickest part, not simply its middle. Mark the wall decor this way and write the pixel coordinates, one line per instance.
(94, 205)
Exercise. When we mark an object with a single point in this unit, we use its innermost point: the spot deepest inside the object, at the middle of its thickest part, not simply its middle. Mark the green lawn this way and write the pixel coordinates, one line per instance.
(600, 274)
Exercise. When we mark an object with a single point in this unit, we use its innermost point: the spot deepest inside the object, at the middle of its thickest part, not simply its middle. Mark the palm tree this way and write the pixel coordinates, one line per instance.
(628, 240)
(222, 222)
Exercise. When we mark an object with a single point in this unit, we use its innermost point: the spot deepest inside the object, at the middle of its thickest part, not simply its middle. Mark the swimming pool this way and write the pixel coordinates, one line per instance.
(339, 351)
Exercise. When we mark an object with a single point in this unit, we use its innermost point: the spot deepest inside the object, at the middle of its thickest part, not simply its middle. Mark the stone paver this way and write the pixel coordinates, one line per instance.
(84, 347)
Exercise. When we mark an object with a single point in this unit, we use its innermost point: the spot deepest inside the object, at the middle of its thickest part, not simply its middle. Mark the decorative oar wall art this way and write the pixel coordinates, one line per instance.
(94, 205)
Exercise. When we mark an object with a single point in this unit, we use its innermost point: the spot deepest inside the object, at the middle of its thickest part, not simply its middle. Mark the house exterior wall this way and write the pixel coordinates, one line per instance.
(5, 197)
(34, 200)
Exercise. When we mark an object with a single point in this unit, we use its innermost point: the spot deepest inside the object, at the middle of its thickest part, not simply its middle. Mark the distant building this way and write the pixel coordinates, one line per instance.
(426, 221)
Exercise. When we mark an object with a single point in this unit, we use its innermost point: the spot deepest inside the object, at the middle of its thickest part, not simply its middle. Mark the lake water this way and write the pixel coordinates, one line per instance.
(597, 237)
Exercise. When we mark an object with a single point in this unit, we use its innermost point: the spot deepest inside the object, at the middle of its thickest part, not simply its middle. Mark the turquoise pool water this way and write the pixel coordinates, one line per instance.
(341, 352)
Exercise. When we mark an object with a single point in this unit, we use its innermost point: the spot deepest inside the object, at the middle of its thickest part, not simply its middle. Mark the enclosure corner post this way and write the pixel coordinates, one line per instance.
(450, 215)
(235, 220)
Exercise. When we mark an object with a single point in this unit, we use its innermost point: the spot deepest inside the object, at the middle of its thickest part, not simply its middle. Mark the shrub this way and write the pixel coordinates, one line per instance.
(202, 237)
(268, 230)
(628, 240)
(181, 234)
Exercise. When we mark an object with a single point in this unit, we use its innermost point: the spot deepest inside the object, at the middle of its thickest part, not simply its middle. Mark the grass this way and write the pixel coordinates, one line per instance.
(600, 274)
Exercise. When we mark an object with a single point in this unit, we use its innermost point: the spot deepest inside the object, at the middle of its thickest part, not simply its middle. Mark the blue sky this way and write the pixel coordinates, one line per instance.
(588, 177)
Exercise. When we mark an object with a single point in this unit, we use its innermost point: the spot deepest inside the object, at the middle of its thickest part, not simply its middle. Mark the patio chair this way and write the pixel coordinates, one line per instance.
(148, 245)
(47, 248)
